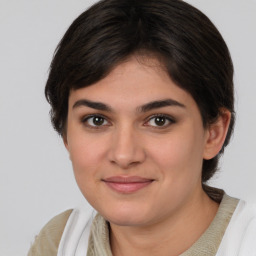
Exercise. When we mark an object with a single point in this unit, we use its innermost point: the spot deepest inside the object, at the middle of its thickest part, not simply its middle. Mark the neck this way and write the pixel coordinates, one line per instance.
(170, 236)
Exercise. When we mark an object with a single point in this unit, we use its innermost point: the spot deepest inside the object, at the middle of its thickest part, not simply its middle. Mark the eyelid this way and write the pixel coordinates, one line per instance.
(168, 117)
(85, 118)
(171, 120)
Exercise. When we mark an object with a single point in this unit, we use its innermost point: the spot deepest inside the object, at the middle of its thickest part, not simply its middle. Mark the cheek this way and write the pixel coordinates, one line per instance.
(179, 154)
(86, 150)
(86, 154)
(85, 165)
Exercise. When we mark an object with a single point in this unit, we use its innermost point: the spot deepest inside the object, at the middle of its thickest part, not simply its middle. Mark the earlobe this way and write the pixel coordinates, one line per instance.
(216, 134)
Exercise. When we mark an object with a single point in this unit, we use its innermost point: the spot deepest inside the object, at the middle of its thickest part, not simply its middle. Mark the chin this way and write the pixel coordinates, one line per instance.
(125, 221)
(126, 217)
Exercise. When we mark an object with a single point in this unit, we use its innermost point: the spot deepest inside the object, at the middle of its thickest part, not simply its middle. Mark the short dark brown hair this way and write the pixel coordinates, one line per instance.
(183, 38)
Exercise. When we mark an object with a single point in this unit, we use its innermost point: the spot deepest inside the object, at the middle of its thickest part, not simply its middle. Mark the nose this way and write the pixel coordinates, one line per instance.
(126, 148)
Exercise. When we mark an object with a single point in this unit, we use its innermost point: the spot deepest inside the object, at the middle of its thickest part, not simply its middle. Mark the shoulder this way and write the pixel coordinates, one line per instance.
(245, 215)
(47, 241)
(241, 232)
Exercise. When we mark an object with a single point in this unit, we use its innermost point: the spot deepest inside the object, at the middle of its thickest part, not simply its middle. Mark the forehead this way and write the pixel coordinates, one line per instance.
(137, 80)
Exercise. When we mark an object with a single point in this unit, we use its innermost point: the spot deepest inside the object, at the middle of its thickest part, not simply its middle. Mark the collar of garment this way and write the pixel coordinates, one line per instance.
(207, 244)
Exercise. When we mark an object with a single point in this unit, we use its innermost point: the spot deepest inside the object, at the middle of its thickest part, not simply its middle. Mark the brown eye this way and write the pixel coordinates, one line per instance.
(98, 120)
(95, 121)
(160, 121)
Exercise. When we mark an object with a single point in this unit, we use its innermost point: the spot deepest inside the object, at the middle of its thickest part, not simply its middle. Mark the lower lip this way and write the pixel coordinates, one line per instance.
(126, 188)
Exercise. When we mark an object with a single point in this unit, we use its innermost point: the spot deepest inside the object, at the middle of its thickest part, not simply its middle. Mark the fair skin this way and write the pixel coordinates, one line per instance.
(137, 142)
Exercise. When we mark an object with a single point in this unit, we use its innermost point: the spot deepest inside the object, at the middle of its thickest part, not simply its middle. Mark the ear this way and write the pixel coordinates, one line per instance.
(65, 141)
(216, 134)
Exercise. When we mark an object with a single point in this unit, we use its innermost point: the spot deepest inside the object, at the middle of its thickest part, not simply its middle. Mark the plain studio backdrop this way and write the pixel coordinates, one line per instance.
(36, 175)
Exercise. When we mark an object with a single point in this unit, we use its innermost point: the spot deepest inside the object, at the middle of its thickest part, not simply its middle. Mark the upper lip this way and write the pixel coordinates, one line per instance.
(127, 179)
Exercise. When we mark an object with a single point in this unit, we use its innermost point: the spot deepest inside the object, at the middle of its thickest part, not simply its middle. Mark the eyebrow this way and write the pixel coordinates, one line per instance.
(144, 108)
(92, 104)
(160, 104)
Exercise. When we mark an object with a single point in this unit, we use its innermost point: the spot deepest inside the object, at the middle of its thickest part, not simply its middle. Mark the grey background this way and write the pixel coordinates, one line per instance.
(36, 175)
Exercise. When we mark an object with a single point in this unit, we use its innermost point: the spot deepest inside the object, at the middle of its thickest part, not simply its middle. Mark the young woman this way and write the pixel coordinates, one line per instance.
(142, 95)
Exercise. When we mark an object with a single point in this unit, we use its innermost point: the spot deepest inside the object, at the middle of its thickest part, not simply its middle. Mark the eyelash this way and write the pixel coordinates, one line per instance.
(87, 118)
(167, 118)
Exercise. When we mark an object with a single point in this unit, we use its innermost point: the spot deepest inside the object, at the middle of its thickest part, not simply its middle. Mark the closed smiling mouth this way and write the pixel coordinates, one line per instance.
(127, 184)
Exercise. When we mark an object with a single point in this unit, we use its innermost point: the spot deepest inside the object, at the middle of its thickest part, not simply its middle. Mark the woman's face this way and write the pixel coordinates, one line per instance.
(136, 142)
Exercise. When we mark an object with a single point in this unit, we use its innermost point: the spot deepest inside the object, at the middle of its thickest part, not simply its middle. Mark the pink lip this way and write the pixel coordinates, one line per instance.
(127, 184)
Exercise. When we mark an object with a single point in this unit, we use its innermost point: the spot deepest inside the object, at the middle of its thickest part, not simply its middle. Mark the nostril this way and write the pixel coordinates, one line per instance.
(127, 159)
